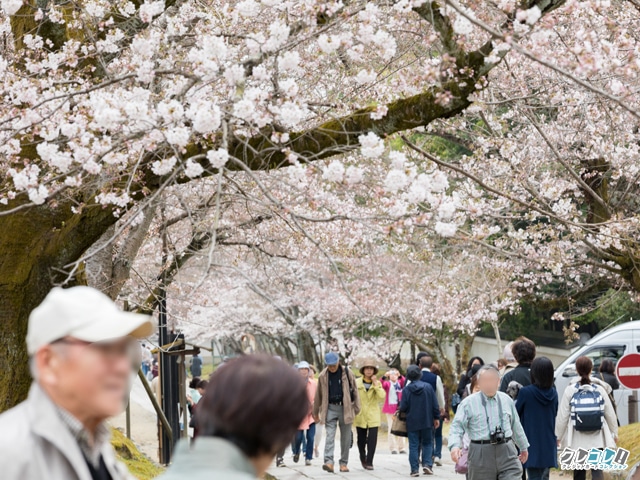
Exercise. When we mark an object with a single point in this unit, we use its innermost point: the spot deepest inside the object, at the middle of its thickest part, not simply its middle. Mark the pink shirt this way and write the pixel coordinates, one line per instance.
(387, 385)
(312, 385)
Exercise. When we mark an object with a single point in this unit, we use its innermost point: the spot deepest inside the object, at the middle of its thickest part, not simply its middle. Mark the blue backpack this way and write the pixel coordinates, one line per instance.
(587, 408)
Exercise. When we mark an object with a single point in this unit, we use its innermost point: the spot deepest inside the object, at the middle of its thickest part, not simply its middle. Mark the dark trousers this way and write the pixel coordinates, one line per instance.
(367, 441)
(420, 446)
(538, 473)
(582, 475)
(304, 440)
(437, 441)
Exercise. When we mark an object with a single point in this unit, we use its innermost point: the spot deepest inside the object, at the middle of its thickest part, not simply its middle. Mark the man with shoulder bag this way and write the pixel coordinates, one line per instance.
(336, 404)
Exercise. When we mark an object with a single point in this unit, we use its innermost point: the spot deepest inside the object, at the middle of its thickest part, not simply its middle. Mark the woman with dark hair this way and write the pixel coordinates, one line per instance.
(607, 373)
(537, 406)
(584, 432)
(524, 351)
(193, 395)
(251, 410)
(465, 379)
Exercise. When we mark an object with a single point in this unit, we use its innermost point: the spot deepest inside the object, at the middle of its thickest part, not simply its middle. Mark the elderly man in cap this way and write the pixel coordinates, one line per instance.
(336, 403)
(82, 350)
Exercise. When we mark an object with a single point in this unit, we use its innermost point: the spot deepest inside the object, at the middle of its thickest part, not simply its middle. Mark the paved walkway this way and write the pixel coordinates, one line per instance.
(386, 466)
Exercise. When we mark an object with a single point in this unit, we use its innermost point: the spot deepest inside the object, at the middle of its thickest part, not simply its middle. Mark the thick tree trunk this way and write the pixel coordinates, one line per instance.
(35, 245)
(15, 305)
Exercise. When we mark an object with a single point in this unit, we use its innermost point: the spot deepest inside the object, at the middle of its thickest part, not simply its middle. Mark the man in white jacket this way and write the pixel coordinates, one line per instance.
(83, 350)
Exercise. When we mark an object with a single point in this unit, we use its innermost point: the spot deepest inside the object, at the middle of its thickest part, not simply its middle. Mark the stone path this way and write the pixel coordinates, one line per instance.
(386, 466)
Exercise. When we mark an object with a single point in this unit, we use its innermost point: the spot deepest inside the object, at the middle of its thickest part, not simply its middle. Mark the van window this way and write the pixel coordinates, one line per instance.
(597, 354)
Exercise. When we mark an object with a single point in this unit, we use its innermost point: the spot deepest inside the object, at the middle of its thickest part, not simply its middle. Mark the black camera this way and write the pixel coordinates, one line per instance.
(497, 436)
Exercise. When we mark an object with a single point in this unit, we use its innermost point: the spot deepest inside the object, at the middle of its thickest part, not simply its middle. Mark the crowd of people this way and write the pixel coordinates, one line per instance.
(508, 420)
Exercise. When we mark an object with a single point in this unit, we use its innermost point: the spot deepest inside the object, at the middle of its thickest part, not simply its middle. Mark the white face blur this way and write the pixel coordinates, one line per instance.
(393, 376)
(304, 373)
(489, 381)
(89, 380)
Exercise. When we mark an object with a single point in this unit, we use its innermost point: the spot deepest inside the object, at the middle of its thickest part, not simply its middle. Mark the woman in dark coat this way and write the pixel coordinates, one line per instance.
(607, 373)
(465, 378)
(537, 405)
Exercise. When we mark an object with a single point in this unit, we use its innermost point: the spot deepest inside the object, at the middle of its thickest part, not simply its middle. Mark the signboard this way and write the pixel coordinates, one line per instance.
(628, 370)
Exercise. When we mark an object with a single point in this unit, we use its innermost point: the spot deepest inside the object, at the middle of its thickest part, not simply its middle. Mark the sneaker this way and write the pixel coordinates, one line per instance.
(296, 458)
(307, 462)
(394, 452)
(414, 474)
(403, 451)
(427, 470)
(328, 467)
(280, 463)
(437, 461)
(344, 469)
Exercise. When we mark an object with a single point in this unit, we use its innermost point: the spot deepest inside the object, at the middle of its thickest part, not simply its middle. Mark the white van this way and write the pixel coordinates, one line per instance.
(612, 343)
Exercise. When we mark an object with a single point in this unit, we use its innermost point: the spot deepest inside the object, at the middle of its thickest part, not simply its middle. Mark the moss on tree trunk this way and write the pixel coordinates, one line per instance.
(35, 246)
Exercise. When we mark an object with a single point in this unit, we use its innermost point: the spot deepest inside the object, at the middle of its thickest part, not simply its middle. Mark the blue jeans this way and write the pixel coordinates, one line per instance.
(437, 444)
(538, 473)
(420, 440)
(300, 439)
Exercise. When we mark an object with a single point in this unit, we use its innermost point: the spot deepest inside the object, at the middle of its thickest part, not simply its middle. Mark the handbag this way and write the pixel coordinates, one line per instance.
(399, 425)
(462, 465)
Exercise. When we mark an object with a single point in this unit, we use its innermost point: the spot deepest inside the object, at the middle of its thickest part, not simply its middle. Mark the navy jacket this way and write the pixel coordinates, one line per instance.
(420, 404)
(430, 378)
(537, 409)
(196, 366)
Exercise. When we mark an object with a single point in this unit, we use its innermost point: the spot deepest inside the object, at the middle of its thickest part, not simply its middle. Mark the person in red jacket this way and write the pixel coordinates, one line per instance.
(307, 428)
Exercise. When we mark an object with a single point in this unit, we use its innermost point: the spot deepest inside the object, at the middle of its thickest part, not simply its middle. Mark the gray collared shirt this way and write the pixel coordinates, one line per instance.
(90, 449)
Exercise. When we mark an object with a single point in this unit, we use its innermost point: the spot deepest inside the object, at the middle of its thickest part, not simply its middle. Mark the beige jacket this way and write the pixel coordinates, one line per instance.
(36, 444)
(569, 437)
(321, 402)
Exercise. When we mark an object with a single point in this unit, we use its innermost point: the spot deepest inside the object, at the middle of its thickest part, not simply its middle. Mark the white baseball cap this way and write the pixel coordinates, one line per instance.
(507, 353)
(83, 313)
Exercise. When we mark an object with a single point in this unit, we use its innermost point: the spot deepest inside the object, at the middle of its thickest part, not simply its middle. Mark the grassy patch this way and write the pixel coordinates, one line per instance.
(139, 465)
(629, 438)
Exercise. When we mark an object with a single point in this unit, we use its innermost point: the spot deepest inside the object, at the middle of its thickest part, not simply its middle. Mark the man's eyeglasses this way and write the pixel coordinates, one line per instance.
(110, 351)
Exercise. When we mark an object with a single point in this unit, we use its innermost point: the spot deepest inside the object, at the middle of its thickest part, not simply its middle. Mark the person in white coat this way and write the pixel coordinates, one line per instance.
(83, 353)
(566, 432)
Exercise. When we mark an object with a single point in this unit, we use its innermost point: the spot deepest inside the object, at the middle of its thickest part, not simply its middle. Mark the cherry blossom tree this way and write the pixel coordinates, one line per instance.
(110, 107)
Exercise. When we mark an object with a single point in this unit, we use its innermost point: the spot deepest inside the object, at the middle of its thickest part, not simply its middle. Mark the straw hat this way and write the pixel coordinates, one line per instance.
(369, 363)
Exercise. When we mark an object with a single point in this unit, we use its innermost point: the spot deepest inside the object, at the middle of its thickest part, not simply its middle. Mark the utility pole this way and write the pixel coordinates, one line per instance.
(168, 367)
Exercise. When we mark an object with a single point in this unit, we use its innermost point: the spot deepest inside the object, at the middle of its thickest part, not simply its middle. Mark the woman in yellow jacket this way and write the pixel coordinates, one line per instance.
(368, 420)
